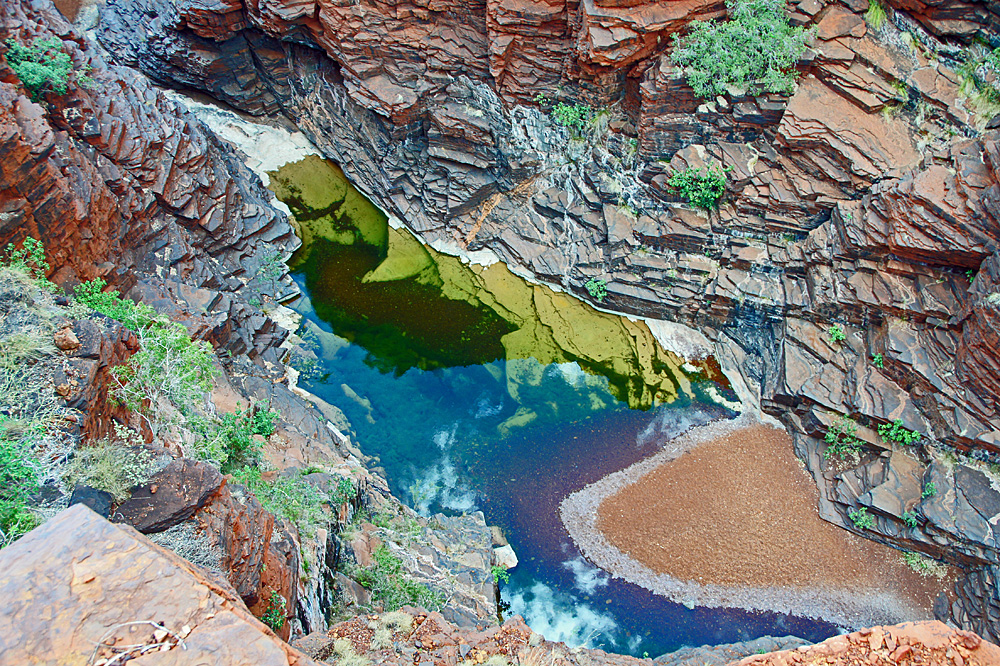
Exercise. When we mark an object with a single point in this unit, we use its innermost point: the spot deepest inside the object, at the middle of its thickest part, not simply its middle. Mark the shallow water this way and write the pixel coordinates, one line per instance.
(477, 391)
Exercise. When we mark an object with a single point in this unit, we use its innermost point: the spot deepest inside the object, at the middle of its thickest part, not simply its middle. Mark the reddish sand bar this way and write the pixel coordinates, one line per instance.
(727, 516)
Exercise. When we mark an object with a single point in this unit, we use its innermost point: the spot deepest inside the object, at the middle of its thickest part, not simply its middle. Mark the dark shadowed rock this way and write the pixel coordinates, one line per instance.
(172, 495)
(96, 500)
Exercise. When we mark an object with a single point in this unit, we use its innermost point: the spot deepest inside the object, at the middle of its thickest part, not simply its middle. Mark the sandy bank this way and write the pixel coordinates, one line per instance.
(725, 516)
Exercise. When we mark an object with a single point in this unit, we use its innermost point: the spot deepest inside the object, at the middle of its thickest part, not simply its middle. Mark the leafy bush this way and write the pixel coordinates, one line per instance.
(910, 518)
(925, 566)
(344, 492)
(842, 439)
(500, 574)
(574, 116)
(755, 50)
(861, 518)
(235, 436)
(836, 333)
(19, 481)
(170, 369)
(277, 609)
(895, 432)
(930, 490)
(30, 258)
(109, 467)
(703, 190)
(43, 66)
(292, 498)
(133, 315)
(390, 585)
(878, 361)
(597, 288)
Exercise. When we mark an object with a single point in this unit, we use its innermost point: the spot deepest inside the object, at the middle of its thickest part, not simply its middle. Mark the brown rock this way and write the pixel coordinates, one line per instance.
(66, 340)
(87, 577)
(171, 496)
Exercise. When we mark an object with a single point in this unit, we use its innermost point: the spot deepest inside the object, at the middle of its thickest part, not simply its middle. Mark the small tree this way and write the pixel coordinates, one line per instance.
(43, 66)
(169, 371)
(755, 50)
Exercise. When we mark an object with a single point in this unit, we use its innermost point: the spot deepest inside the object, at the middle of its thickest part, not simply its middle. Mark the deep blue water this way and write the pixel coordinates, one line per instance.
(429, 392)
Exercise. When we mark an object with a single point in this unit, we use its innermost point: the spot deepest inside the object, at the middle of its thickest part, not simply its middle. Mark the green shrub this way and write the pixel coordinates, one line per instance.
(111, 468)
(392, 587)
(169, 369)
(910, 518)
(500, 574)
(925, 566)
(43, 66)
(861, 518)
(30, 258)
(597, 288)
(930, 490)
(576, 117)
(895, 432)
(344, 492)
(878, 361)
(842, 439)
(133, 315)
(291, 498)
(755, 50)
(19, 481)
(701, 189)
(277, 609)
(837, 334)
(235, 434)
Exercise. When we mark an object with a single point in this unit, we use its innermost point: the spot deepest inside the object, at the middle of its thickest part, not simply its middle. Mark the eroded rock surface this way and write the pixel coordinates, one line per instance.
(95, 581)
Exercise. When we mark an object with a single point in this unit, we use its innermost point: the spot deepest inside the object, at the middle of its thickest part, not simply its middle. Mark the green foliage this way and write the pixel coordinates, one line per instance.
(236, 435)
(876, 14)
(170, 369)
(277, 609)
(930, 490)
(755, 50)
(574, 116)
(836, 333)
(41, 66)
(878, 361)
(109, 467)
(842, 439)
(19, 475)
(597, 288)
(701, 189)
(895, 432)
(344, 492)
(925, 566)
(133, 315)
(910, 518)
(290, 497)
(392, 587)
(30, 258)
(861, 518)
(500, 573)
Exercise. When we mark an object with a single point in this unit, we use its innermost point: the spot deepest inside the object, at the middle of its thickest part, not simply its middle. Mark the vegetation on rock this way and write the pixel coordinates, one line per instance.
(837, 334)
(895, 432)
(110, 467)
(700, 188)
(576, 117)
(391, 587)
(43, 65)
(861, 518)
(277, 609)
(755, 50)
(842, 439)
(597, 288)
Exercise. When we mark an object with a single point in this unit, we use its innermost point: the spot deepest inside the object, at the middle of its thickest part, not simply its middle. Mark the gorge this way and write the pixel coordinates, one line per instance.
(511, 306)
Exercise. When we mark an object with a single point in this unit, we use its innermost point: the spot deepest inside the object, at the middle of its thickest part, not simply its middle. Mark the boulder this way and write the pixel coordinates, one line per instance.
(172, 495)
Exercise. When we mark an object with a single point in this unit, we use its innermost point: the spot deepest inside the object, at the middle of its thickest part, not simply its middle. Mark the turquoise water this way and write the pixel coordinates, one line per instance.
(459, 424)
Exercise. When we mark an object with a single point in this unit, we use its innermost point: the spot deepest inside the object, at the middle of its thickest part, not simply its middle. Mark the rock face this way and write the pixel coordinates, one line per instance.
(95, 581)
(910, 642)
(123, 184)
